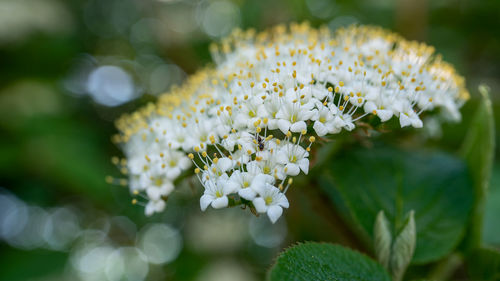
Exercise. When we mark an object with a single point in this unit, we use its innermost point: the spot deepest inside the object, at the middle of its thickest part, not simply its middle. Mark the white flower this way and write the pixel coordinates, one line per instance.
(216, 194)
(159, 187)
(324, 121)
(379, 109)
(409, 117)
(271, 201)
(174, 163)
(294, 157)
(292, 117)
(248, 183)
(251, 111)
(244, 123)
(154, 206)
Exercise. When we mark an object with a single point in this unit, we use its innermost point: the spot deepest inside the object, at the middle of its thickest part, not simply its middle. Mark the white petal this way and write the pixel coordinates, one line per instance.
(282, 201)
(150, 209)
(298, 126)
(274, 213)
(282, 156)
(404, 120)
(220, 202)
(384, 114)
(205, 200)
(259, 204)
(262, 179)
(230, 186)
(159, 206)
(247, 193)
(184, 163)
(416, 122)
(320, 128)
(370, 106)
(153, 193)
(304, 165)
(225, 164)
(173, 173)
(284, 125)
(292, 169)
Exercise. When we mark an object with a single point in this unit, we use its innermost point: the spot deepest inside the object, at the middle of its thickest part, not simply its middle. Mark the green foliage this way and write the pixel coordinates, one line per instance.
(484, 265)
(315, 261)
(478, 151)
(436, 186)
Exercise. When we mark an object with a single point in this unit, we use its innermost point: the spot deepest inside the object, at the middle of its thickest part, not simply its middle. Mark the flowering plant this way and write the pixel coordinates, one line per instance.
(252, 122)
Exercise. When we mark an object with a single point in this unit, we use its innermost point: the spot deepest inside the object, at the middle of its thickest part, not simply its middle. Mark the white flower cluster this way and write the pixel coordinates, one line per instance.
(248, 124)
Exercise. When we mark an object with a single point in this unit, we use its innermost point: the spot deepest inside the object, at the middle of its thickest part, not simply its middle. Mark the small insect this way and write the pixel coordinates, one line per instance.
(260, 143)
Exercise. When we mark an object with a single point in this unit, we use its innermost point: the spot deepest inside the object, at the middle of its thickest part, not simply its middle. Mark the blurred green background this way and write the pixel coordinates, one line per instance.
(69, 68)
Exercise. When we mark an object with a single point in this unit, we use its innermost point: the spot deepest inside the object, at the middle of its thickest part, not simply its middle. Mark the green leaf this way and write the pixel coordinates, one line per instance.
(361, 182)
(316, 261)
(484, 264)
(383, 239)
(478, 150)
(403, 248)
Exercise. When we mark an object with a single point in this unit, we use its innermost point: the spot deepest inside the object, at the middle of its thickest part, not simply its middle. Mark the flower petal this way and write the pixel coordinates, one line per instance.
(274, 213)
(292, 169)
(205, 200)
(259, 204)
(247, 193)
(220, 202)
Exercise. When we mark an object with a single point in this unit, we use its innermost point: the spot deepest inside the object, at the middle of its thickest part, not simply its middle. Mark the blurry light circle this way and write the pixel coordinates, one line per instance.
(76, 80)
(110, 86)
(13, 217)
(141, 31)
(127, 263)
(159, 79)
(93, 260)
(219, 18)
(160, 243)
(341, 22)
(266, 234)
(61, 228)
(163, 76)
(31, 235)
(321, 8)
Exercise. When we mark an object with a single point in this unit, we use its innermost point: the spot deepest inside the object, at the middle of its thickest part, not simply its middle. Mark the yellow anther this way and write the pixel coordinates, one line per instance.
(191, 156)
(204, 154)
(312, 139)
(197, 170)
(341, 83)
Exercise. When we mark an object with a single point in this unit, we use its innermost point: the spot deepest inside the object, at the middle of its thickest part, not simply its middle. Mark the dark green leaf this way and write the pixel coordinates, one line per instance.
(436, 186)
(484, 265)
(315, 261)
